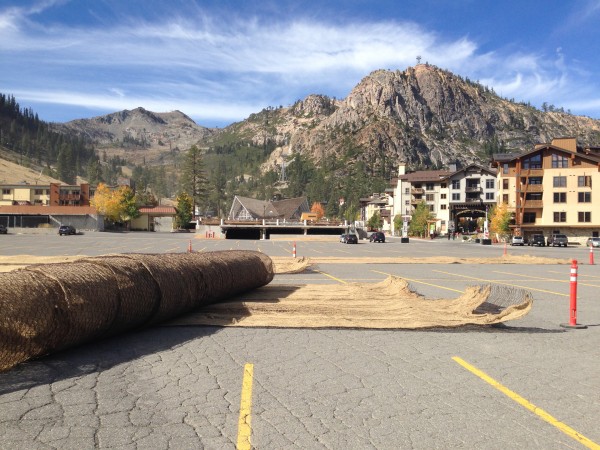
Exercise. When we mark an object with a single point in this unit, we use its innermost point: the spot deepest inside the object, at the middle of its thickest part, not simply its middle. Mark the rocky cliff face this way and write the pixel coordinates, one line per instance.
(423, 115)
(139, 134)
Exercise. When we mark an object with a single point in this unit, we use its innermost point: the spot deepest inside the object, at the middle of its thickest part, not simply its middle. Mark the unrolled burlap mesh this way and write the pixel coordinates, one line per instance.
(53, 306)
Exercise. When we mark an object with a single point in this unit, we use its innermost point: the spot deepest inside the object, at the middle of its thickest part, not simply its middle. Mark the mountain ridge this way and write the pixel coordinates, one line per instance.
(424, 116)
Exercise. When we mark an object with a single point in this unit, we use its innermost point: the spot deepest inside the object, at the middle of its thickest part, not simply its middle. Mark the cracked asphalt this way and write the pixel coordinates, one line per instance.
(180, 387)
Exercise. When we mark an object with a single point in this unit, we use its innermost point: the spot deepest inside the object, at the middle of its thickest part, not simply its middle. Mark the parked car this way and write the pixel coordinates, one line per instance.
(593, 241)
(377, 236)
(558, 239)
(538, 240)
(3, 229)
(348, 239)
(351, 239)
(517, 240)
(66, 230)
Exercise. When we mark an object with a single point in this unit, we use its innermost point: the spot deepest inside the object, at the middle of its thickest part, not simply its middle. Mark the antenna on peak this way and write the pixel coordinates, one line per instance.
(418, 59)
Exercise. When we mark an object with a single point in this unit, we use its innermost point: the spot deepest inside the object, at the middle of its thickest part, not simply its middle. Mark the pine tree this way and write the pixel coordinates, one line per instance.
(193, 178)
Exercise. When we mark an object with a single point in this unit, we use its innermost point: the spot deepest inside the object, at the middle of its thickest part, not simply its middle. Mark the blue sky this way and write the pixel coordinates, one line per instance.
(219, 61)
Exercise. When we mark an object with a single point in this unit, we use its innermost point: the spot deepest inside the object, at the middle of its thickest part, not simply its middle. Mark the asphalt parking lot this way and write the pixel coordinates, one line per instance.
(529, 384)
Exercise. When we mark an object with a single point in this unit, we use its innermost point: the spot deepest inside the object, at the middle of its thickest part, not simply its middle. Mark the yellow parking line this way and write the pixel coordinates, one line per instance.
(498, 282)
(244, 429)
(530, 406)
(418, 281)
(330, 276)
(579, 275)
(579, 282)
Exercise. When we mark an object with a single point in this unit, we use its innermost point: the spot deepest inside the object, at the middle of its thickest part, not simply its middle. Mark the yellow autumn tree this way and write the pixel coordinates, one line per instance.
(117, 205)
(500, 220)
(317, 208)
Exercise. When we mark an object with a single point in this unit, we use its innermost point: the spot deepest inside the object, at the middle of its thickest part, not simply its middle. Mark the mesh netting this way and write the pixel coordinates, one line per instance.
(55, 306)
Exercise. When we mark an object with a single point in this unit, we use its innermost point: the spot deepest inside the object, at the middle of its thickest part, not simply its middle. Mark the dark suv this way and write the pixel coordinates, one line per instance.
(537, 239)
(377, 236)
(66, 229)
(558, 239)
(3, 229)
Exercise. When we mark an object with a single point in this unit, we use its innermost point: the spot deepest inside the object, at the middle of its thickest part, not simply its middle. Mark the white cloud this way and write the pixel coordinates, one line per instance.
(211, 68)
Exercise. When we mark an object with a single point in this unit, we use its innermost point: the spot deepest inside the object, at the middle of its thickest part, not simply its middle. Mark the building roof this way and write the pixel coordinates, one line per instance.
(503, 158)
(284, 209)
(425, 175)
(476, 167)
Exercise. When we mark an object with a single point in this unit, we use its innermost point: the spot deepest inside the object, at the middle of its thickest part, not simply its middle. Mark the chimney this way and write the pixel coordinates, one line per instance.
(401, 168)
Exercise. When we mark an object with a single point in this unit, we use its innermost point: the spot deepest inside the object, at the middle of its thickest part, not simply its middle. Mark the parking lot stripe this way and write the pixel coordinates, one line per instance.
(530, 406)
(330, 276)
(498, 282)
(244, 429)
(555, 280)
(579, 276)
(412, 280)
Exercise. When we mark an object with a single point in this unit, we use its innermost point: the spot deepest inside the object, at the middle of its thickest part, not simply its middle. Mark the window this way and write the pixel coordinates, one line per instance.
(584, 181)
(584, 197)
(473, 183)
(585, 216)
(429, 197)
(533, 162)
(489, 183)
(504, 198)
(455, 196)
(407, 191)
(6, 191)
(455, 184)
(443, 196)
(489, 196)
(431, 208)
(505, 184)
(443, 206)
(38, 192)
(407, 202)
(560, 182)
(505, 168)
(535, 180)
(529, 217)
(560, 197)
(559, 161)
(443, 185)
(533, 196)
(429, 186)
(560, 216)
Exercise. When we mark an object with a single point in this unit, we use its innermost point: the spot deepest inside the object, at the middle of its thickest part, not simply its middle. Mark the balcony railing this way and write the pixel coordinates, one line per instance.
(534, 204)
(532, 188)
(532, 172)
(473, 189)
(69, 197)
(417, 191)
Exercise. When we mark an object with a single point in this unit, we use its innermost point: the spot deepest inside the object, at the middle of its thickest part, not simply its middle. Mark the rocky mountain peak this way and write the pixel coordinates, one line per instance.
(423, 115)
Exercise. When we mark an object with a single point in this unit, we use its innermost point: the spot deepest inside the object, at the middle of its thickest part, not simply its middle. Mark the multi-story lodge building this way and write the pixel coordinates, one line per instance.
(456, 198)
(554, 188)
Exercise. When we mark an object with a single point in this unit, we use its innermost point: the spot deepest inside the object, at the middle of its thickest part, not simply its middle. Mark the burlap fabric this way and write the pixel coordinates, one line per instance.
(49, 307)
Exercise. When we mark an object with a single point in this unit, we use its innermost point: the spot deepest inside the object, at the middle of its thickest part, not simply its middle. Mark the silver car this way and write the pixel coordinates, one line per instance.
(517, 240)
(593, 241)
